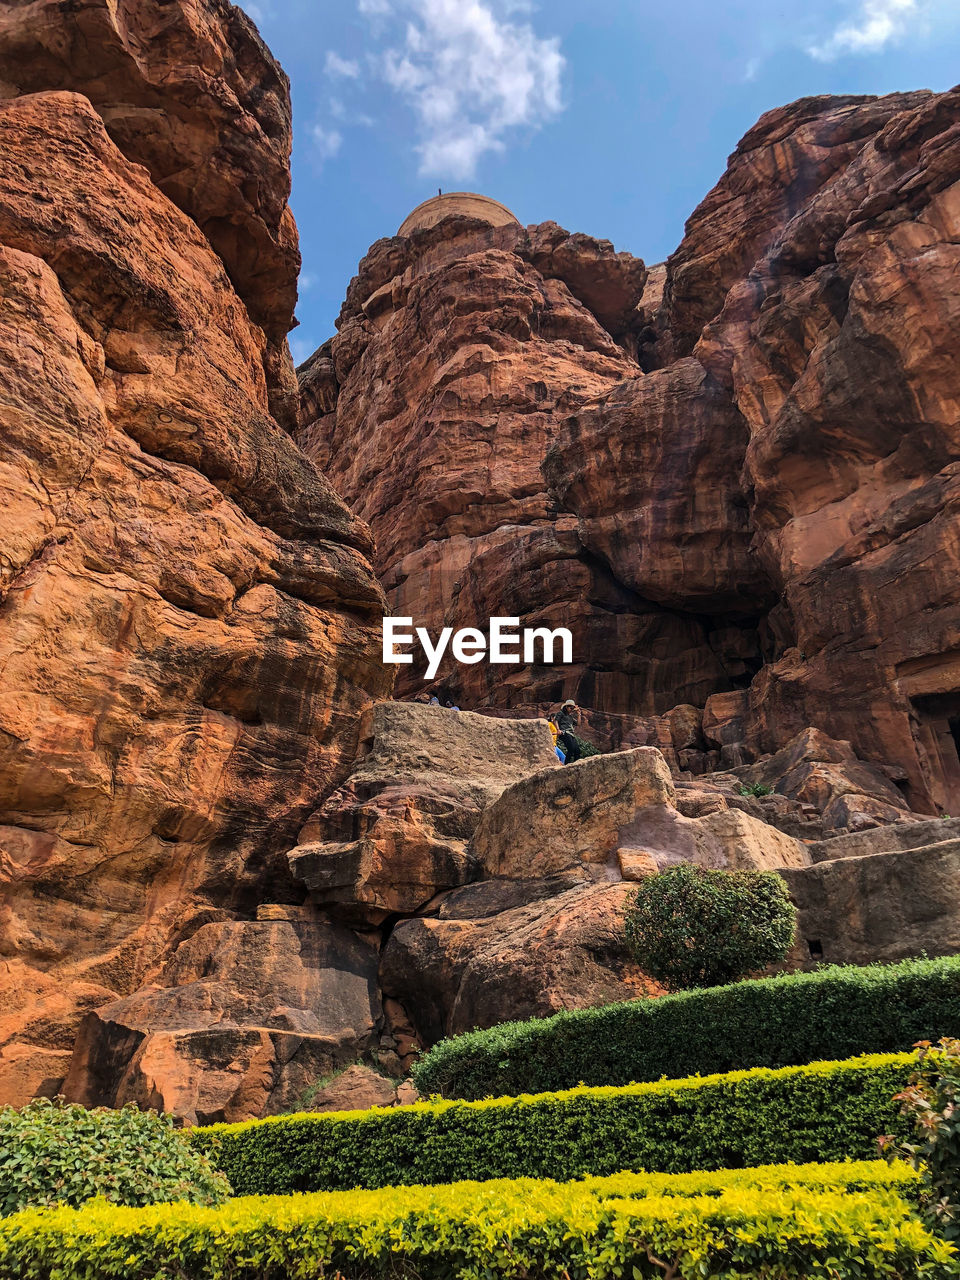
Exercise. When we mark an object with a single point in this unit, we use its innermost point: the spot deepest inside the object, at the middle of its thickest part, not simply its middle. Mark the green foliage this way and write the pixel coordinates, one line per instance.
(793, 1223)
(769, 1022)
(693, 927)
(932, 1101)
(754, 789)
(824, 1111)
(55, 1153)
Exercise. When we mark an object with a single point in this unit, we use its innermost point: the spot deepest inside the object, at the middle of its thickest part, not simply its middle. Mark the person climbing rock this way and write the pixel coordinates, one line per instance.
(568, 717)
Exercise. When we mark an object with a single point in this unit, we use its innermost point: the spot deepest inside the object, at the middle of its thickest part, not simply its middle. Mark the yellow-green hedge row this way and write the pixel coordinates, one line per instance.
(823, 1111)
(829, 1222)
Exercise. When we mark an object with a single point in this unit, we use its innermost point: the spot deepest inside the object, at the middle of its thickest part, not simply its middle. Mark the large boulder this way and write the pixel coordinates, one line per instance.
(243, 1019)
(572, 817)
(396, 832)
(850, 794)
(501, 950)
(613, 816)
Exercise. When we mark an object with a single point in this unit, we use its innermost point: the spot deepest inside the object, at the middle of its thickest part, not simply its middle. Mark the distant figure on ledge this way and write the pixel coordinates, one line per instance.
(568, 717)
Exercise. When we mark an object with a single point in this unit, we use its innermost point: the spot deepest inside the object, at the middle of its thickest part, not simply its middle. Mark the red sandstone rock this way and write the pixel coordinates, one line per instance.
(803, 422)
(395, 834)
(190, 625)
(504, 950)
(191, 92)
(461, 350)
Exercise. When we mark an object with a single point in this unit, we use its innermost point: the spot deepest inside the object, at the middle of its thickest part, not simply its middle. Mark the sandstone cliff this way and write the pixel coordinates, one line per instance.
(188, 620)
(734, 476)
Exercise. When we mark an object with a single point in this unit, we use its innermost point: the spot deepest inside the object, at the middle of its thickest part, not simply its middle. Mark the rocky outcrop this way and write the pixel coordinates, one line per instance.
(461, 348)
(879, 895)
(800, 420)
(188, 620)
(396, 833)
(190, 92)
(244, 1018)
(733, 476)
(499, 950)
(616, 816)
(542, 928)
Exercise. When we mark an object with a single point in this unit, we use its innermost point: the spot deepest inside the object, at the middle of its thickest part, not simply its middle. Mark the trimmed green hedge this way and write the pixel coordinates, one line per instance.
(769, 1022)
(825, 1111)
(808, 1224)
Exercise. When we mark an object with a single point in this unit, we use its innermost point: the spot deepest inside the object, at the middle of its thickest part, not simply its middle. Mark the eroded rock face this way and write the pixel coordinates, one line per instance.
(188, 621)
(461, 350)
(804, 332)
(191, 92)
(395, 834)
(616, 816)
(502, 950)
(244, 1018)
(757, 440)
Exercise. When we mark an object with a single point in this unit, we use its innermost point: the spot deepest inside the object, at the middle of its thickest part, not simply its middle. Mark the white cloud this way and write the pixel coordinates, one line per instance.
(875, 24)
(326, 142)
(471, 75)
(337, 66)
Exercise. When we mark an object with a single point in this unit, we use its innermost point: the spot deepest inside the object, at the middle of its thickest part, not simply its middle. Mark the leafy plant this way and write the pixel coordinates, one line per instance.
(53, 1152)
(931, 1101)
(693, 927)
(754, 789)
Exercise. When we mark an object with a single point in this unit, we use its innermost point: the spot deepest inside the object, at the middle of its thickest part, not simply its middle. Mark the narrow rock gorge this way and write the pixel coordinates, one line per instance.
(236, 876)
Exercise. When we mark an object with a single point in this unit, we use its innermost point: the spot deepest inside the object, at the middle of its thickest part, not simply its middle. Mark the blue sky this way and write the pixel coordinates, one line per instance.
(613, 117)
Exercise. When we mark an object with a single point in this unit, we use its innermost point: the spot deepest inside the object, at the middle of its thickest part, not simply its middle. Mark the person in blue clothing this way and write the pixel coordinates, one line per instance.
(552, 722)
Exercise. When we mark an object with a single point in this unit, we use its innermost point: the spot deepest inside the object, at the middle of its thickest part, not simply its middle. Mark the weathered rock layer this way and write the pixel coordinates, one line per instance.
(733, 476)
(188, 621)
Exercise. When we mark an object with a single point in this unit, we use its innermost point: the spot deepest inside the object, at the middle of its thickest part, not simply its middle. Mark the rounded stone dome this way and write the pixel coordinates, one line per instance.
(465, 203)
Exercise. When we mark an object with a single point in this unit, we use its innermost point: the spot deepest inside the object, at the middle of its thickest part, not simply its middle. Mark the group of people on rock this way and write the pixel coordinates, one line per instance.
(431, 700)
(562, 725)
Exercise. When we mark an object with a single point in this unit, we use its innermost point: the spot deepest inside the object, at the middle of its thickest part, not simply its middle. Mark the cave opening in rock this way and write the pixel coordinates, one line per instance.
(938, 722)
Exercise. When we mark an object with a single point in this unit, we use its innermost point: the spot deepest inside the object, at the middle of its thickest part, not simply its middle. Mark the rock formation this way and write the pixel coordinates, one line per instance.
(188, 621)
(233, 878)
(461, 348)
(733, 476)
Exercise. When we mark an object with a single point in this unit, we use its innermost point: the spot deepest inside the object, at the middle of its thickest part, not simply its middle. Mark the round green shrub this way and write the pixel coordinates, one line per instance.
(52, 1152)
(692, 927)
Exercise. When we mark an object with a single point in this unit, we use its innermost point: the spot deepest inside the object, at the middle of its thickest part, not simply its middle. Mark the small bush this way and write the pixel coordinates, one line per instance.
(755, 789)
(692, 927)
(790, 1224)
(931, 1101)
(56, 1153)
(825, 1111)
